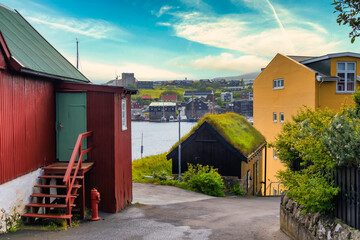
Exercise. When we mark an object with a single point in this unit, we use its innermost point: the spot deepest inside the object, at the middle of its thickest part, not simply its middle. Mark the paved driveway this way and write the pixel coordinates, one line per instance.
(167, 213)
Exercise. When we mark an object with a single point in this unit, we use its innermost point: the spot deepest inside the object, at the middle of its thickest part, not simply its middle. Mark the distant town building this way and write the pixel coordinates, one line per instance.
(159, 110)
(135, 105)
(196, 108)
(127, 79)
(157, 83)
(246, 95)
(169, 98)
(146, 97)
(204, 80)
(197, 94)
(236, 89)
(244, 107)
(234, 83)
(145, 84)
(227, 96)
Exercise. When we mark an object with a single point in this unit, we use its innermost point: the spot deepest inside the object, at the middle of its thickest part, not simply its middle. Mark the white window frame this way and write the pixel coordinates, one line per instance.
(274, 117)
(123, 115)
(282, 117)
(346, 71)
(278, 83)
(274, 154)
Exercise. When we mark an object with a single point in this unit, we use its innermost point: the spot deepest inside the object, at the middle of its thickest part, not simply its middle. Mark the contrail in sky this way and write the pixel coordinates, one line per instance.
(282, 28)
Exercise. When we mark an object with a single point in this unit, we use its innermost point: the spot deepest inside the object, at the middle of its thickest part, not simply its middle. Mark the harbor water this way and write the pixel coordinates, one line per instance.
(157, 137)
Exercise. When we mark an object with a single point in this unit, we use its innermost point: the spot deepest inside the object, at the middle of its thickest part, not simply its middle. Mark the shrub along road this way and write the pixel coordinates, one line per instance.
(171, 213)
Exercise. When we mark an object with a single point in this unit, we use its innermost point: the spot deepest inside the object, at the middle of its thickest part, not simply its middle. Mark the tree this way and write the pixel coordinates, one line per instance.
(301, 139)
(348, 11)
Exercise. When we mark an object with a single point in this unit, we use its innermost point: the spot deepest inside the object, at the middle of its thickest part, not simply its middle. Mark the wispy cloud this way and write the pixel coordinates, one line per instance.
(98, 29)
(227, 61)
(163, 10)
(100, 72)
(251, 35)
(285, 34)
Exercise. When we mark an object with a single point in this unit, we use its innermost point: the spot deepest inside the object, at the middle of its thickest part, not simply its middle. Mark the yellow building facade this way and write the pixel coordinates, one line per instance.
(289, 83)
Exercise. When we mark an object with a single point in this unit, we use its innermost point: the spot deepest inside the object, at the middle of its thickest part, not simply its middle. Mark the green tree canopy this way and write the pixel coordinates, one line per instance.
(348, 14)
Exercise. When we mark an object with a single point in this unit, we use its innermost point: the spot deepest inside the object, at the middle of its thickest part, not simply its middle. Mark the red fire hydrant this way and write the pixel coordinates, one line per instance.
(95, 199)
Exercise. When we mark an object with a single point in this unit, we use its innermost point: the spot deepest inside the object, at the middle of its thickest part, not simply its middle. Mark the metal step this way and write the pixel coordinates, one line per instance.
(37, 215)
(51, 195)
(59, 177)
(57, 186)
(48, 205)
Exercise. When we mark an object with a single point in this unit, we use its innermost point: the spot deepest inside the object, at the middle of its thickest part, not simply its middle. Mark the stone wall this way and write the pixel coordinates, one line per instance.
(312, 225)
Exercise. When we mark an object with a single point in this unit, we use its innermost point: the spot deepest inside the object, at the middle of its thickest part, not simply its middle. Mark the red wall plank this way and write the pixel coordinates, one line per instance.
(100, 120)
(111, 174)
(123, 173)
(27, 118)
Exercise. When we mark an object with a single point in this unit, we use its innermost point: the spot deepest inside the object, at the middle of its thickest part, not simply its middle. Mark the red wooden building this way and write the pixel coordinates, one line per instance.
(45, 103)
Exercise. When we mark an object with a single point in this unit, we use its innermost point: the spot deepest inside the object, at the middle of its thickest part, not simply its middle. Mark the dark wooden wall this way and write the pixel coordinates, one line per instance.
(27, 124)
(206, 149)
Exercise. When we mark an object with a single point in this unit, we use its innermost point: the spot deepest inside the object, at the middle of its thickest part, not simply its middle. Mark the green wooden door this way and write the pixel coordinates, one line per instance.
(70, 122)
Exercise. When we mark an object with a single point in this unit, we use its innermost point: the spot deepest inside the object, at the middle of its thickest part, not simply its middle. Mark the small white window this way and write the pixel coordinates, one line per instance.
(281, 117)
(274, 152)
(123, 115)
(278, 84)
(274, 117)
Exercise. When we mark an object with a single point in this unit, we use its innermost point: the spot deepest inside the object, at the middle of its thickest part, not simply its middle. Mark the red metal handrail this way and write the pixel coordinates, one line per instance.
(67, 178)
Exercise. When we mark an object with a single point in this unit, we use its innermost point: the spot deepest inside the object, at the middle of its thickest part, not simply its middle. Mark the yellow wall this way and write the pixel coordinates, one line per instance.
(299, 90)
(327, 90)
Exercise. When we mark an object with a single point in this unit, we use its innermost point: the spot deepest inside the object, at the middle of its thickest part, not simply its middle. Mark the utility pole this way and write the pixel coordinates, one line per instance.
(179, 108)
(77, 53)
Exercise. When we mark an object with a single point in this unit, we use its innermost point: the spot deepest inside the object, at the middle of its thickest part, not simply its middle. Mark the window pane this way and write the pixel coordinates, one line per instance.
(282, 82)
(341, 82)
(350, 77)
(350, 82)
(341, 66)
(274, 82)
(351, 66)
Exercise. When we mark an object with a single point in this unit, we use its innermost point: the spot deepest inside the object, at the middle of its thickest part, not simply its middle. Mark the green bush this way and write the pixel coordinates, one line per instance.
(237, 190)
(204, 179)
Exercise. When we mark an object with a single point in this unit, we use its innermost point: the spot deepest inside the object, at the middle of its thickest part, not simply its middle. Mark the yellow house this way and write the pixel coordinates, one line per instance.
(290, 82)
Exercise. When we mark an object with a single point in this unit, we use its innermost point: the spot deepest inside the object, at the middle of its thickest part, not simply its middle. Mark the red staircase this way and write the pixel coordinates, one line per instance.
(61, 184)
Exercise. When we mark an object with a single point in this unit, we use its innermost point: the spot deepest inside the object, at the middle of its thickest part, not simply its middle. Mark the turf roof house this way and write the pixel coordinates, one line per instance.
(45, 102)
(227, 142)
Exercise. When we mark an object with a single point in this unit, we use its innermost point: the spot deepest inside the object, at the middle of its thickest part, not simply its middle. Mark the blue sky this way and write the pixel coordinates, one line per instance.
(174, 39)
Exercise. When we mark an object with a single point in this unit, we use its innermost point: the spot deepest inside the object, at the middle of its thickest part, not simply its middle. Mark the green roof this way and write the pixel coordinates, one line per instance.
(235, 129)
(31, 50)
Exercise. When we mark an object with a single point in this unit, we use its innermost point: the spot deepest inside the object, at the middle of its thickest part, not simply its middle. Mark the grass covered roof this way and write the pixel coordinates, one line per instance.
(235, 129)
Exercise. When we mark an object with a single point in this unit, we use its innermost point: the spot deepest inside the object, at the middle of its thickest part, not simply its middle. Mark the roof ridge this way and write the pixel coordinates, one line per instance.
(2, 5)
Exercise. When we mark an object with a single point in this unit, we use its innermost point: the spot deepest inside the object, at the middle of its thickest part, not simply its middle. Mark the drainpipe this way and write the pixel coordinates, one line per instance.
(265, 171)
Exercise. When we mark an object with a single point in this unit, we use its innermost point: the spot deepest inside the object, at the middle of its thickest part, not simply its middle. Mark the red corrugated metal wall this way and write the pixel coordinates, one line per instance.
(100, 120)
(27, 131)
(123, 170)
(111, 174)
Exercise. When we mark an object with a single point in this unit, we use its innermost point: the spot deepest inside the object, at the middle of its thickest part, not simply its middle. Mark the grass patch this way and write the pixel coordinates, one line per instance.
(157, 169)
(152, 169)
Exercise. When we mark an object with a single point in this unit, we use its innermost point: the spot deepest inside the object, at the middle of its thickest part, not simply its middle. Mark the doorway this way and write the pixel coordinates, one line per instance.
(70, 122)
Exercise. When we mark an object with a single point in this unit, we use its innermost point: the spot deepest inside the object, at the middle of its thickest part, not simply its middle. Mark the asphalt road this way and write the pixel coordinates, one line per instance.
(169, 213)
